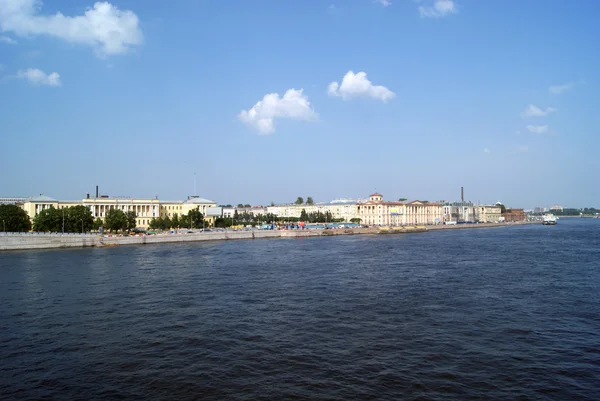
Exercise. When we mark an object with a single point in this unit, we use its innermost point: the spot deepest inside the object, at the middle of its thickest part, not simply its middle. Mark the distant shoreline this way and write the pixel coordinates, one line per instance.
(30, 241)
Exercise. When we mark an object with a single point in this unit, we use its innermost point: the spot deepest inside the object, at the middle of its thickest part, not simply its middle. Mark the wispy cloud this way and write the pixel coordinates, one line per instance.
(358, 85)
(104, 27)
(437, 9)
(293, 105)
(7, 40)
(39, 77)
(486, 150)
(384, 3)
(534, 111)
(558, 89)
(537, 129)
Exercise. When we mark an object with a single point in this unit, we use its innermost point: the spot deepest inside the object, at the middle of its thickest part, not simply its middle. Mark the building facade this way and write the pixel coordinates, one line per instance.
(338, 210)
(460, 212)
(488, 213)
(514, 215)
(378, 212)
(145, 209)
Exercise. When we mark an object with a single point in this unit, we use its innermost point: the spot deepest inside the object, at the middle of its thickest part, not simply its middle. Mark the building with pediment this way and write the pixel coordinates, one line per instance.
(378, 212)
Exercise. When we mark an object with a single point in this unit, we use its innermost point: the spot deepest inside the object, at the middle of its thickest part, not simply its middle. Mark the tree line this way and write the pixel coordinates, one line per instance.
(270, 218)
(588, 211)
(194, 219)
(72, 219)
(300, 201)
(14, 219)
(79, 219)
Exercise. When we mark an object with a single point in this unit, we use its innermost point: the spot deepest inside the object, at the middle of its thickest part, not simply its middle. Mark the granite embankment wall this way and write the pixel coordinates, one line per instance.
(22, 241)
(16, 241)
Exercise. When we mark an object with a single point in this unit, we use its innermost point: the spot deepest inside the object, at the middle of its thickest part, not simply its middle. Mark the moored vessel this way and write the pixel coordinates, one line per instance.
(549, 220)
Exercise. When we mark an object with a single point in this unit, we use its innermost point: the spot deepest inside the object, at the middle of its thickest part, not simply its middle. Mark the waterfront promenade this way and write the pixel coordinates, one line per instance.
(25, 241)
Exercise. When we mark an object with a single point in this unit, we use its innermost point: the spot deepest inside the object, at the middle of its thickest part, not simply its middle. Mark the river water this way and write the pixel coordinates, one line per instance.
(501, 313)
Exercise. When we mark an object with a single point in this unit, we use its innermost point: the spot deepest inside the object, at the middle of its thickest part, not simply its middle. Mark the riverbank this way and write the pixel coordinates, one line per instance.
(26, 241)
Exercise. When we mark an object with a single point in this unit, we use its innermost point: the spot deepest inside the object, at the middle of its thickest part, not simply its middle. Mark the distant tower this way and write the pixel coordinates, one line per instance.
(462, 194)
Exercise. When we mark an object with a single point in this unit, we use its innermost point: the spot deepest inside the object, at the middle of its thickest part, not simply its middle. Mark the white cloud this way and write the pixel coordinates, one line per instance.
(384, 3)
(357, 85)
(7, 40)
(534, 111)
(558, 89)
(39, 77)
(293, 105)
(486, 150)
(438, 9)
(537, 129)
(105, 27)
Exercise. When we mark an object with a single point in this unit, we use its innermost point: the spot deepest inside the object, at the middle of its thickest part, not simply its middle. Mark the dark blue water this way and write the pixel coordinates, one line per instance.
(503, 313)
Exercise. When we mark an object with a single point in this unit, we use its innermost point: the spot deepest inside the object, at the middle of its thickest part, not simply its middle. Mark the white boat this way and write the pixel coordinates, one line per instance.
(549, 220)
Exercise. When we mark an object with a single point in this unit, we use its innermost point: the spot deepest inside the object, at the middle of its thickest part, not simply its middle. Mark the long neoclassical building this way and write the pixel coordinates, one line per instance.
(145, 209)
(374, 211)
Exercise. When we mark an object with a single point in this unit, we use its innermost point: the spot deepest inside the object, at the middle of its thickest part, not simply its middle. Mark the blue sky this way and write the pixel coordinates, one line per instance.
(137, 96)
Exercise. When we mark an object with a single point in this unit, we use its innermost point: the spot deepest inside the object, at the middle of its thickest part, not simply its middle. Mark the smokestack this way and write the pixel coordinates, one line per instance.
(462, 194)
(96, 191)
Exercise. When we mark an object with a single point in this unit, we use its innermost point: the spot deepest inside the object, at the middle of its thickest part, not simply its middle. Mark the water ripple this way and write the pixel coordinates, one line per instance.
(510, 313)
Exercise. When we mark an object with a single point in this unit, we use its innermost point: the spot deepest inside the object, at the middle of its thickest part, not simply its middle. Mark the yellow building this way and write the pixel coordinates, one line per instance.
(378, 212)
(420, 212)
(488, 214)
(181, 208)
(145, 209)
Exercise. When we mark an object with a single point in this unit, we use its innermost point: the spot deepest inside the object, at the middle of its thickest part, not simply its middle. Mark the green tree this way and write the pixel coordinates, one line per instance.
(78, 219)
(196, 218)
(309, 201)
(355, 220)
(184, 221)
(175, 221)
(247, 205)
(502, 207)
(223, 222)
(303, 215)
(97, 224)
(299, 201)
(402, 200)
(48, 220)
(115, 220)
(166, 223)
(131, 220)
(14, 219)
(155, 223)
(240, 205)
